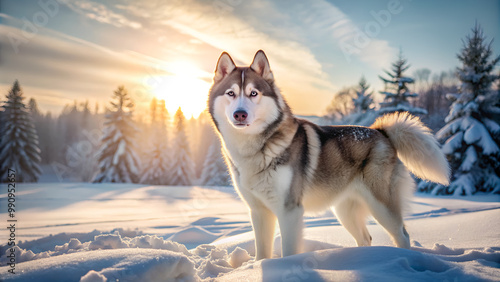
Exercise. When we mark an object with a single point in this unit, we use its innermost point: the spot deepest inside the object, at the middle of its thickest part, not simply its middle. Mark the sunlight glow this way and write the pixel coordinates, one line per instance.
(184, 89)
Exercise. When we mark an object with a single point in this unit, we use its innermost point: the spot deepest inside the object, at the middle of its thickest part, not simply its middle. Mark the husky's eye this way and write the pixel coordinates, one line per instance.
(253, 93)
(230, 93)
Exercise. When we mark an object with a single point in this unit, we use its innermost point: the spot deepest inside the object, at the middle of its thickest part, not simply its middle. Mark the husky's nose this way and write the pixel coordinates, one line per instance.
(240, 115)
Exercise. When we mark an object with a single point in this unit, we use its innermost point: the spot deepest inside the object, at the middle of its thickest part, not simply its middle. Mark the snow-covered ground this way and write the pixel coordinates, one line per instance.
(99, 232)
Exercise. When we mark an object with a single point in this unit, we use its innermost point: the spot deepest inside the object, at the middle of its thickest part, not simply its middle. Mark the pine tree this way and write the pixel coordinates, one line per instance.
(215, 171)
(157, 165)
(118, 160)
(472, 133)
(363, 113)
(19, 149)
(182, 164)
(396, 90)
(33, 108)
(363, 101)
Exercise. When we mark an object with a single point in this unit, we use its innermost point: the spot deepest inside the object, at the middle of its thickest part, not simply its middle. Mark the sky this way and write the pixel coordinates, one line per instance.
(63, 51)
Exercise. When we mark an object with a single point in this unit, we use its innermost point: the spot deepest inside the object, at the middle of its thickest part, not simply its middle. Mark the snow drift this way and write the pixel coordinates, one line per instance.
(197, 233)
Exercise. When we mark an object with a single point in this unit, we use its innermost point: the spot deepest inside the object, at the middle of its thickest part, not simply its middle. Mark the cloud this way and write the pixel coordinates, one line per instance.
(101, 13)
(325, 23)
(56, 68)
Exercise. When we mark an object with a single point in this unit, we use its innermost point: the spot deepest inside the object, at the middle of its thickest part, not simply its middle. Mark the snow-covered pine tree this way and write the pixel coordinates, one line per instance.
(396, 90)
(363, 113)
(215, 171)
(118, 160)
(472, 133)
(156, 168)
(182, 169)
(363, 101)
(19, 149)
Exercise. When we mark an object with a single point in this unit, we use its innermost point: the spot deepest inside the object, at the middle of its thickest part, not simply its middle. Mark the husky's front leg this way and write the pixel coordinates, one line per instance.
(291, 225)
(263, 221)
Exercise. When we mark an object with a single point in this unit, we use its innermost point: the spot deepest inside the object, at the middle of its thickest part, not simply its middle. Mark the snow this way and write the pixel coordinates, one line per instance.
(238, 257)
(119, 152)
(372, 264)
(470, 159)
(453, 143)
(454, 239)
(492, 126)
(121, 264)
(194, 236)
(477, 132)
(487, 143)
(473, 133)
(448, 129)
(93, 276)
(361, 133)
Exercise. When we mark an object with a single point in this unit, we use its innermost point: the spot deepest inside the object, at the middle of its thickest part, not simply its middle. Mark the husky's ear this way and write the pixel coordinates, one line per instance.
(261, 66)
(225, 66)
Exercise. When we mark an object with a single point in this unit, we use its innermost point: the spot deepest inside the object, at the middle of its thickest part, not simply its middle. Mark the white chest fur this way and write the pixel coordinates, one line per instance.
(255, 176)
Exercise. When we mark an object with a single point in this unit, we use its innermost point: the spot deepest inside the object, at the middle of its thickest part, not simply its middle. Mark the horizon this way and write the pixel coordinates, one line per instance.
(66, 51)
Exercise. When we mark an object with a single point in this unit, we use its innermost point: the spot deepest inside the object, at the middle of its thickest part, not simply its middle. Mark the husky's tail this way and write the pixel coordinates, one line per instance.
(416, 146)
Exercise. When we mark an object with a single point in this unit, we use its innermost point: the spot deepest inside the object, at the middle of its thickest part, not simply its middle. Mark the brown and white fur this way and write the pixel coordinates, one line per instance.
(283, 166)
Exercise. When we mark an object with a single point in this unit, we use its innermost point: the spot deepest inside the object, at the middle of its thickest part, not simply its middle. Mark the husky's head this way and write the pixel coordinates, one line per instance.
(245, 98)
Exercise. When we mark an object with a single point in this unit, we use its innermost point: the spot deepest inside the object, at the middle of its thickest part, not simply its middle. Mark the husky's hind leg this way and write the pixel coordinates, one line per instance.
(391, 221)
(352, 214)
(390, 213)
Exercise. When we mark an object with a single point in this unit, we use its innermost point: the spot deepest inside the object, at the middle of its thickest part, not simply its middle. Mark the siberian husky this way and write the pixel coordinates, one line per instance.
(283, 166)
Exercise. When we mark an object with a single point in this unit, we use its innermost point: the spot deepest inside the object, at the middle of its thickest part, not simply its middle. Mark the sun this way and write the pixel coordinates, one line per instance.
(185, 88)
